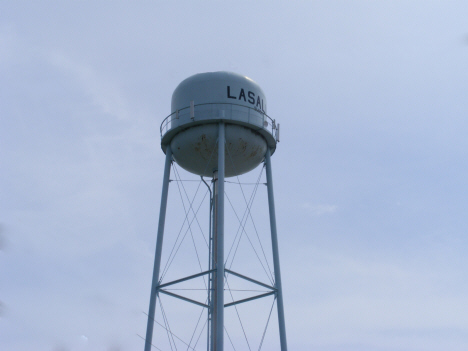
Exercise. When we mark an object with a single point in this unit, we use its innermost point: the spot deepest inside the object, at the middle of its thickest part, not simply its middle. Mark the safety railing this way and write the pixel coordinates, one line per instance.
(250, 116)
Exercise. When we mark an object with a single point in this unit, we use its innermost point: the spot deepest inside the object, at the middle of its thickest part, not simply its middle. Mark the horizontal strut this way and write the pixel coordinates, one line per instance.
(250, 299)
(250, 279)
(183, 298)
(184, 279)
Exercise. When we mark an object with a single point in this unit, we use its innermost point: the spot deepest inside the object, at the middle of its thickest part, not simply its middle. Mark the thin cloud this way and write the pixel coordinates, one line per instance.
(104, 93)
(320, 210)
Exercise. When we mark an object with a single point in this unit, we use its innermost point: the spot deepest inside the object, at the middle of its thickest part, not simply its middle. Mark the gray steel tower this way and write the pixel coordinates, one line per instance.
(218, 128)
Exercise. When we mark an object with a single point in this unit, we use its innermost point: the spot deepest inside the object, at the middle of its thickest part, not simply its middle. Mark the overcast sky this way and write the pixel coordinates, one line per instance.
(370, 174)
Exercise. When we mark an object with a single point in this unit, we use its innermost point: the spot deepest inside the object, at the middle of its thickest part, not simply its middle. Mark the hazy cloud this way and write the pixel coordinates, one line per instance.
(319, 210)
(104, 93)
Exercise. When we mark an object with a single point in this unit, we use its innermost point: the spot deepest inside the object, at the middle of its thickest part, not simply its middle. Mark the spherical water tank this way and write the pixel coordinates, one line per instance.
(199, 103)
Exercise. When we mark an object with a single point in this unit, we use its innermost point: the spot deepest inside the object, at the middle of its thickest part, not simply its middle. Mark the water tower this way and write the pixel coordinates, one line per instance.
(218, 128)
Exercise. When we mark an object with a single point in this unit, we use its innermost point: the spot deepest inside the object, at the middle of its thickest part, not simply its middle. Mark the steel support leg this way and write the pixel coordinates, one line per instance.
(159, 244)
(220, 242)
(209, 340)
(274, 244)
(213, 276)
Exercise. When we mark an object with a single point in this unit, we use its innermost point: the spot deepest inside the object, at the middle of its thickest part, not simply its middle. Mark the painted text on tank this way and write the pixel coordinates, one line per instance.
(258, 104)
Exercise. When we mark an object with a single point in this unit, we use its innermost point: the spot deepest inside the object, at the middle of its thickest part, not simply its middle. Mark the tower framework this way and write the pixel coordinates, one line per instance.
(219, 128)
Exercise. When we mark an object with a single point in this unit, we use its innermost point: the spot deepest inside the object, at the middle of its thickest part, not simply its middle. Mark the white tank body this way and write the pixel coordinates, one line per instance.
(199, 103)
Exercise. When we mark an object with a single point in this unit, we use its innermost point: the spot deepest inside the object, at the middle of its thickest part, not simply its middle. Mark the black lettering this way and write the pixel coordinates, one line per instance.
(258, 102)
(242, 94)
(262, 106)
(229, 93)
(251, 95)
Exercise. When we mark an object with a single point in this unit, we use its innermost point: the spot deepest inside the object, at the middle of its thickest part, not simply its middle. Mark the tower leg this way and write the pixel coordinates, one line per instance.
(218, 315)
(159, 243)
(213, 276)
(211, 263)
(274, 244)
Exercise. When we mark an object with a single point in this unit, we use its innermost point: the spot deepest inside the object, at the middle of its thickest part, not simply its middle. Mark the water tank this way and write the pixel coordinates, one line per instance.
(199, 103)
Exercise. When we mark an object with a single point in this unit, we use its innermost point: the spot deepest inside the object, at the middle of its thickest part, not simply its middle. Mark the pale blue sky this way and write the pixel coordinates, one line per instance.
(370, 174)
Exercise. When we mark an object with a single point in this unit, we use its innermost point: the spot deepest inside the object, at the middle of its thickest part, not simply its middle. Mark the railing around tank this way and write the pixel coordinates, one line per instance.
(267, 122)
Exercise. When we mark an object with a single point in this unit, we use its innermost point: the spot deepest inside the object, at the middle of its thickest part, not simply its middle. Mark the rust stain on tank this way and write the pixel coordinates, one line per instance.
(203, 146)
(199, 144)
(254, 151)
(242, 145)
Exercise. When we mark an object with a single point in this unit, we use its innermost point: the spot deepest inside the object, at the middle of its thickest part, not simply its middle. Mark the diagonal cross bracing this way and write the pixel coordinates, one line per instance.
(178, 244)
